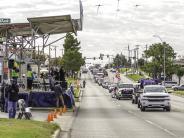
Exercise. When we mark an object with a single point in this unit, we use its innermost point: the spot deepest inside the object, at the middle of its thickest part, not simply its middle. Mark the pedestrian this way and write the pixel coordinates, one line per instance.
(15, 73)
(51, 82)
(84, 83)
(12, 99)
(30, 78)
(59, 95)
(4, 97)
(70, 92)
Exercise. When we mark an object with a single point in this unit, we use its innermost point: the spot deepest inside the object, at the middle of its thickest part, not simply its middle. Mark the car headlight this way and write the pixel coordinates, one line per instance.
(144, 98)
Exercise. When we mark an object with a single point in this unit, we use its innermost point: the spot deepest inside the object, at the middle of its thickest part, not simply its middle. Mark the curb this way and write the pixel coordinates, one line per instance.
(56, 134)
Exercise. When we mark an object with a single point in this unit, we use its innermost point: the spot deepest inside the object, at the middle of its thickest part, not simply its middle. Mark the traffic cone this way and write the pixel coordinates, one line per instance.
(49, 118)
(55, 114)
(64, 109)
(60, 111)
(52, 116)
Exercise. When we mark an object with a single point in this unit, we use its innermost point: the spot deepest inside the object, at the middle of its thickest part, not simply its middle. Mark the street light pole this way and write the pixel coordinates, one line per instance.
(164, 55)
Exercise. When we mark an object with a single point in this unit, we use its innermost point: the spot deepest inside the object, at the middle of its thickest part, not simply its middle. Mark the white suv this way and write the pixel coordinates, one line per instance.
(154, 96)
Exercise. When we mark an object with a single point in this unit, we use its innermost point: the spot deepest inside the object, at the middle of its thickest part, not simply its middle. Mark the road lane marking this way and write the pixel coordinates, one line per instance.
(154, 124)
(160, 127)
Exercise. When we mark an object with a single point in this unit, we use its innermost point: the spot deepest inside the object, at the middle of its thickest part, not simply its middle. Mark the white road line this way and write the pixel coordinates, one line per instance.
(154, 124)
(160, 127)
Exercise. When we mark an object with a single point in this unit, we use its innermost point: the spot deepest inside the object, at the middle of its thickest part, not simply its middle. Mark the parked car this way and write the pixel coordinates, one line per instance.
(169, 84)
(124, 90)
(113, 70)
(105, 84)
(100, 81)
(176, 88)
(84, 70)
(154, 96)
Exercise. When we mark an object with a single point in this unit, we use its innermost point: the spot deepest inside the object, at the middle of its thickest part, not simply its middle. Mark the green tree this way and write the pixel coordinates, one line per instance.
(141, 63)
(71, 43)
(156, 54)
(179, 72)
(72, 59)
(120, 60)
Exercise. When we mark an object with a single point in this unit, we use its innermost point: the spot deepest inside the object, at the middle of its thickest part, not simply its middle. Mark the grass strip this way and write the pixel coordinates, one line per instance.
(12, 128)
(135, 77)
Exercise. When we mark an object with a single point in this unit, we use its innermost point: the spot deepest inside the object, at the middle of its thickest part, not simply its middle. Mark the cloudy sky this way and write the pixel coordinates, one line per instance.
(110, 30)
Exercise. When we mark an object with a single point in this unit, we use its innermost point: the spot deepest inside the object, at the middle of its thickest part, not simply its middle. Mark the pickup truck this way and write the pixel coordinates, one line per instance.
(124, 90)
(154, 96)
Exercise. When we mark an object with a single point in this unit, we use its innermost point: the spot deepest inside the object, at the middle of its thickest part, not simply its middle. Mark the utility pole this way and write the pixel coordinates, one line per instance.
(146, 55)
(62, 52)
(137, 49)
(49, 59)
(55, 48)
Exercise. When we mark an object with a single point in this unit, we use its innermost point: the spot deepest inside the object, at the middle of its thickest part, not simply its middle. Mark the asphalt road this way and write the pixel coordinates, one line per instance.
(100, 116)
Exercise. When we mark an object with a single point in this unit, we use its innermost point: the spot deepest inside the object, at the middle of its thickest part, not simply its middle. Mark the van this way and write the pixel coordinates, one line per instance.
(169, 84)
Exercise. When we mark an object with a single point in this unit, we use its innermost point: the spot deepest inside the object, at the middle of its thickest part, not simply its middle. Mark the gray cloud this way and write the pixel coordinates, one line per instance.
(109, 30)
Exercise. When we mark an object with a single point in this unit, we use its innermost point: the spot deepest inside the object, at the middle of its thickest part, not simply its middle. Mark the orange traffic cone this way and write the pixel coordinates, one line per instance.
(49, 118)
(60, 111)
(64, 109)
(55, 114)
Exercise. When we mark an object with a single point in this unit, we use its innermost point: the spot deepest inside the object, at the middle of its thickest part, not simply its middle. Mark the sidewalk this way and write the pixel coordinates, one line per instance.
(66, 120)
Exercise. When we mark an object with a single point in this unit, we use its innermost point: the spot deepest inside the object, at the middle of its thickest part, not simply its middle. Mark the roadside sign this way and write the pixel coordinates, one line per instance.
(5, 20)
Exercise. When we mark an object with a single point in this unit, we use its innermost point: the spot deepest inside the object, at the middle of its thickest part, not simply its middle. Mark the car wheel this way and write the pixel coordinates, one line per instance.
(135, 101)
(142, 108)
(138, 105)
(168, 109)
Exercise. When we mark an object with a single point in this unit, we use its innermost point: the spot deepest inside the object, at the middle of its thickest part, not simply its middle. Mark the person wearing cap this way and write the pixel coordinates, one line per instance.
(12, 98)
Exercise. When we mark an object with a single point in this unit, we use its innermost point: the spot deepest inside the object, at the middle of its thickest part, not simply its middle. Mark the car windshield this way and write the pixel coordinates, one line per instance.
(154, 89)
(125, 85)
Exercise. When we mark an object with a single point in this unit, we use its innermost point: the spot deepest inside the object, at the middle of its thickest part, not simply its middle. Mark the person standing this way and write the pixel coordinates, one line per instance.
(4, 97)
(29, 78)
(15, 73)
(84, 83)
(59, 95)
(12, 99)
